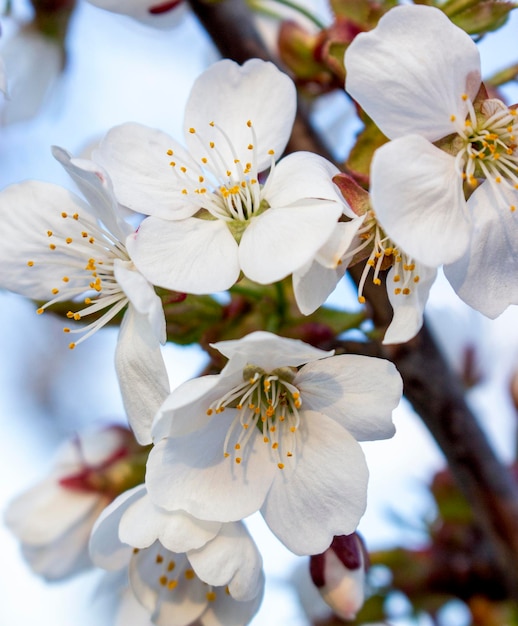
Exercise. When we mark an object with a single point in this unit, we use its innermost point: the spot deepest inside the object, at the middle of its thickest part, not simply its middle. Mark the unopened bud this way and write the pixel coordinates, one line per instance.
(339, 575)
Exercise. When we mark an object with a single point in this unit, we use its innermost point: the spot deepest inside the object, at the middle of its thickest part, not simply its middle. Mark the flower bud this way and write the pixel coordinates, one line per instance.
(339, 575)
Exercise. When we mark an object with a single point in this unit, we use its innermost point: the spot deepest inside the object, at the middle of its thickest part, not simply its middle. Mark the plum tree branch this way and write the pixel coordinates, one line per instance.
(432, 388)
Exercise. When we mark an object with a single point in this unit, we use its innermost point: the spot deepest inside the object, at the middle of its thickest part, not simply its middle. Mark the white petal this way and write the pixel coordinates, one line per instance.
(230, 96)
(142, 374)
(232, 559)
(410, 72)
(303, 175)
(142, 296)
(178, 607)
(408, 309)
(143, 523)
(356, 391)
(325, 495)
(418, 199)
(146, 11)
(191, 255)
(225, 611)
(283, 239)
(185, 410)
(312, 288)
(3, 77)
(191, 473)
(486, 276)
(96, 186)
(136, 157)
(130, 612)
(106, 549)
(27, 211)
(270, 351)
(46, 511)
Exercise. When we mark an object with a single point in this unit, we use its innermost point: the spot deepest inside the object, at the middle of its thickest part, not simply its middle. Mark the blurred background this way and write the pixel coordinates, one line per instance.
(118, 70)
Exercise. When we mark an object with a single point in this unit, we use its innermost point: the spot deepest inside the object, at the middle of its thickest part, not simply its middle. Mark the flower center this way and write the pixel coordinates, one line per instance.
(221, 190)
(268, 402)
(88, 261)
(384, 254)
(488, 147)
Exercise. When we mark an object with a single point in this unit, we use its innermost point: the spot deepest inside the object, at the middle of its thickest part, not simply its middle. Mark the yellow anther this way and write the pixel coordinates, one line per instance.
(184, 191)
(55, 291)
(68, 240)
(172, 584)
(237, 446)
(72, 345)
(452, 118)
(250, 146)
(238, 460)
(70, 315)
(192, 131)
(498, 179)
(169, 153)
(163, 580)
(226, 455)
(417, 279)
(211, 596)
(271, 152)
(172, 163)
(265, 439)
(52, 246)
(397, 291)
(64, 215)
(30, 263)
(464, 96)
(293, 429)
(65, 279)
(88, 300)
(49, 233)
(66, 329)
(189, 574)
(159, 558)
(275, 446)
(289, 454)
(361, 299)
(183, 169)
(406, 291)
(512, 208)
(211, 124)
(280, 465)
(249, 124)
(376, 281)
(75, 216)
(204, 160)
(84, 234)
(212, 144)
(40, 311)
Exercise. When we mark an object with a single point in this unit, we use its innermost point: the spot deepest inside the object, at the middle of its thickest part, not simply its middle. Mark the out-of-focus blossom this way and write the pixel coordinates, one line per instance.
(32, 62)
(212, 216)
(418, 76)
(181, 569)
(157, 13)
(53, 519)
(57, 248)
(339, 575)
(266, 435)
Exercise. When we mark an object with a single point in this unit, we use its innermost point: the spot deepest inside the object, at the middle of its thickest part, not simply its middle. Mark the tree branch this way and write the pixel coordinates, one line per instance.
(433, 390)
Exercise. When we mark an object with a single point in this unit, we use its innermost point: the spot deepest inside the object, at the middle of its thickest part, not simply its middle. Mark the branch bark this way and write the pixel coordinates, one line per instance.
(434, 391)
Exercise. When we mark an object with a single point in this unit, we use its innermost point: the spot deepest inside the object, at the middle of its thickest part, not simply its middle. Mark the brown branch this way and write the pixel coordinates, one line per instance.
(433, 390)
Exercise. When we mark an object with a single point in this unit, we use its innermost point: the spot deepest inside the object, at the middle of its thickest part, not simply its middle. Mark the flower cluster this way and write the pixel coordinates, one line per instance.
(275, 425)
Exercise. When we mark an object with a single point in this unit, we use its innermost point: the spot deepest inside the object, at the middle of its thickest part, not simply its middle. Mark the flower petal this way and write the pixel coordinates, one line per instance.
(28, 212)
(270, 351)
(411, 71)
(229, 96)
(232, 559)
(485, 277)
(281, 240)
(312, 288)
(418, 199)
(96, 186)
(303, 175)
(191, 473)
(408, 309)
(191, 255)
(137, 159)
(141, 371)
(356, 391)
(326, 493)
(106, 549)
(143, 523)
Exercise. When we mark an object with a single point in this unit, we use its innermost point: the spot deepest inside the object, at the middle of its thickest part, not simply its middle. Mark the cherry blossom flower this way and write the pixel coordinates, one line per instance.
(339, 575)
(266, 435)
(157, 13)
(53, 519)
(362, 239)
(418, 76)
(181, 569)
(57, 248)
(214, 212)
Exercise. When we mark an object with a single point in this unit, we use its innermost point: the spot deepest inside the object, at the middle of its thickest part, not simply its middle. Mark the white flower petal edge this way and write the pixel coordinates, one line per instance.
(417, 196)
(485, 277)
(227, 96)
(162, 14)
(411, 71)
(408, 308)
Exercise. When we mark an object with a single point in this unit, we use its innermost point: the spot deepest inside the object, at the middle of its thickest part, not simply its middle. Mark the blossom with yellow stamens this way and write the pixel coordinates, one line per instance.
(224, 205)
(418, 76)
(58, 248)
(276, 431)
(182, 570)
